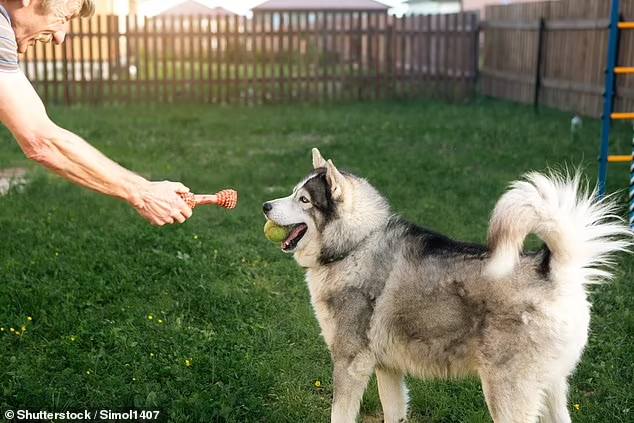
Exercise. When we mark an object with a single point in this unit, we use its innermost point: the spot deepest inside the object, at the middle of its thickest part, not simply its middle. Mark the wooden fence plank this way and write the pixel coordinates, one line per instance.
(275, 56)
(574, 54)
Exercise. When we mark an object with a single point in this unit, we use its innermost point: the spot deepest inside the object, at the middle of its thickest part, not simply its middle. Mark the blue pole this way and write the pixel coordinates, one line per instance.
(608, 96)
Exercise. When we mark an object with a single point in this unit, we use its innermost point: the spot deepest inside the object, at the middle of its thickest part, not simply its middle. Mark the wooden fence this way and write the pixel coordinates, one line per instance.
(569, 41)
(273, 57)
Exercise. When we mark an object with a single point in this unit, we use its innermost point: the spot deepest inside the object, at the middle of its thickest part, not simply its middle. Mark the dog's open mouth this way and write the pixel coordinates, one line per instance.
(297, 232)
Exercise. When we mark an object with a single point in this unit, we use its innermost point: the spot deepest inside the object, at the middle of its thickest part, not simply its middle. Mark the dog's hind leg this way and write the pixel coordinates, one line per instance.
(350, 378)
(393, 394)
(510, 400)
(556, 410)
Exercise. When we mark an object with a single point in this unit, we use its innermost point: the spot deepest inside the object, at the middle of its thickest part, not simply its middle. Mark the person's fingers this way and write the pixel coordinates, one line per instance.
(179, 187)
(182, 207)
(185, 210)
(176, 186)
(163, 206)
(180, 218)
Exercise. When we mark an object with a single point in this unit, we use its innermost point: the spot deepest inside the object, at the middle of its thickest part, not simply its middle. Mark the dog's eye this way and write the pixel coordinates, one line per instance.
(304, 200)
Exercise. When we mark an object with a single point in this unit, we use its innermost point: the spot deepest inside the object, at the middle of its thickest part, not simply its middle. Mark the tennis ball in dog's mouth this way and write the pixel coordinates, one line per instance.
(275, 232)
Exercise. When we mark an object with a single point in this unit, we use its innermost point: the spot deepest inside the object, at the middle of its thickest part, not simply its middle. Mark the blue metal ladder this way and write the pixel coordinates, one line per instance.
(608, 105)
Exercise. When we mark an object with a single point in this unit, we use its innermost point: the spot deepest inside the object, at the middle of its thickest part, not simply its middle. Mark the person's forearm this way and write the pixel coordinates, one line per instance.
(77, 161)
(66, 154)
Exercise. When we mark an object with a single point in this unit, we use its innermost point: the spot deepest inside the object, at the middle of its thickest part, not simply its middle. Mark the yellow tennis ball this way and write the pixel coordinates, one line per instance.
(274, 232)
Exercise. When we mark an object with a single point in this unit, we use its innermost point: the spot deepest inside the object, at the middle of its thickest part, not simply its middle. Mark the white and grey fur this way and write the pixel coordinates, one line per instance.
(395, 298)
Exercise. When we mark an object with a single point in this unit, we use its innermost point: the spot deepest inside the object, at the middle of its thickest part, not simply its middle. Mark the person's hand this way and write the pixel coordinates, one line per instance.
(159, 203)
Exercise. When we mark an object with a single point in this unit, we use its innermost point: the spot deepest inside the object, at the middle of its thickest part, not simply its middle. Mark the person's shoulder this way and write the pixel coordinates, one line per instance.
(8, 47)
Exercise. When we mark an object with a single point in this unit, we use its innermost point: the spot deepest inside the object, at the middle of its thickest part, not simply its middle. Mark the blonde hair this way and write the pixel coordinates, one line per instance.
(69, 8)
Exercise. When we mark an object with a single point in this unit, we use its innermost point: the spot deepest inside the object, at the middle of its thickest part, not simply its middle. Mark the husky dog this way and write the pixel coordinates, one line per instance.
(398, 299)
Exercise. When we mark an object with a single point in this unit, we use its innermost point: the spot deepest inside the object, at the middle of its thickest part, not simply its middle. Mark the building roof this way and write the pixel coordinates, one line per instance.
(480, 4)
(194, 8)
(430, 1)
(321, 5)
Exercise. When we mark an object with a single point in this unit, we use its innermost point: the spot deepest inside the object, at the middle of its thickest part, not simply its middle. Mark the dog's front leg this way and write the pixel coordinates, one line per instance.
(350, 378)
(393, 394)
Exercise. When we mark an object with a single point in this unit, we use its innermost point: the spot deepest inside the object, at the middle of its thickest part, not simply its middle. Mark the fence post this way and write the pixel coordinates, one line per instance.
(389, 57)
(279, 60)
(65, 81)
(360, 69)
(475, 77)
(538, 65)
(325, 59)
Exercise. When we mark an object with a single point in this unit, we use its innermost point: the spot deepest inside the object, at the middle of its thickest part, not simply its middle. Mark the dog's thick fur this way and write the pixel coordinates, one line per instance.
(395, 299)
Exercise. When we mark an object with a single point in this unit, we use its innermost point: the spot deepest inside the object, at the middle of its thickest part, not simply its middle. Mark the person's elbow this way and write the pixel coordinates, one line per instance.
(39, 147)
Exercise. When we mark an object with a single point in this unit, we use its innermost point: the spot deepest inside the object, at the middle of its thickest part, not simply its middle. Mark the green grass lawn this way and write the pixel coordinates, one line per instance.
(210, 322)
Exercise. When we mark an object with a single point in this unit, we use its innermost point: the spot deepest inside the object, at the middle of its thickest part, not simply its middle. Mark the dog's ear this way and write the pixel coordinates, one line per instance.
(335, 180)
(318, 161)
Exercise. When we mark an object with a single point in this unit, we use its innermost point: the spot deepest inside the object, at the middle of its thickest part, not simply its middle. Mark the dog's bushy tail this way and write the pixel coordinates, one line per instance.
(581, 232)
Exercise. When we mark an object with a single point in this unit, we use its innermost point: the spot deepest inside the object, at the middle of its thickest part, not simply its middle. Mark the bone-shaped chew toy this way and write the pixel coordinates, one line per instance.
(226, 198)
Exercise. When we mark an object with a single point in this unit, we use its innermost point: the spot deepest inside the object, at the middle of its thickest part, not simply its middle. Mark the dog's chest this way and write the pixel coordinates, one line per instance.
(343, 309)
(319, 291)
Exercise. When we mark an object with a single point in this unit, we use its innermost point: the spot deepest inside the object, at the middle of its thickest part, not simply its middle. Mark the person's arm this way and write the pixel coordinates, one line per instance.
(68, 155)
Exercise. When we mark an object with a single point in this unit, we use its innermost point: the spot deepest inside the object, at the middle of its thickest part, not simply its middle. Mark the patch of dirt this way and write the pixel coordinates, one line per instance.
(10, 178)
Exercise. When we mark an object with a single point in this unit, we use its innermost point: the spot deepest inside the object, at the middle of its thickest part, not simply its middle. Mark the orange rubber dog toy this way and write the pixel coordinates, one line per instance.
(226, 198)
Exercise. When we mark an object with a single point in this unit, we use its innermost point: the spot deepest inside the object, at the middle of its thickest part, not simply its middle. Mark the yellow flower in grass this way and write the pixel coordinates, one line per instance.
(72, 339)
(188, 363)
(150, 317)
(577, 406)
(88, 372)
(11, 329)
(23, 328)
(160, 321)
(29, 318)
(318, 383)
(1, 329)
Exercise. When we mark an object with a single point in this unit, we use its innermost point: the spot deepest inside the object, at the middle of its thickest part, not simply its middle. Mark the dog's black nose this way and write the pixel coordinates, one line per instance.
(267, 207)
